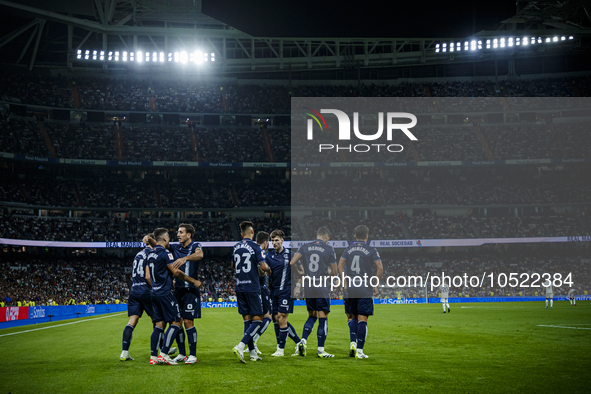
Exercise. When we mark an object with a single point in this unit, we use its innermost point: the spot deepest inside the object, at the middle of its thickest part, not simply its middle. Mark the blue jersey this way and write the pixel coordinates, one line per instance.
(318, 256)
(158, 261)
(360, 259)
(280, 269)
(190, 268)
(247, 258)
(139, 284)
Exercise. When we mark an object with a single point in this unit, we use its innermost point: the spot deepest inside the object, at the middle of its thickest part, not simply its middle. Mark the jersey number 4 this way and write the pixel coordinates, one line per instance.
(355, 265)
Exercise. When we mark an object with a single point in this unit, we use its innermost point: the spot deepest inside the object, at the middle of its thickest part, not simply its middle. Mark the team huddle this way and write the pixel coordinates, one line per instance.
(165, 286)
(260, 305)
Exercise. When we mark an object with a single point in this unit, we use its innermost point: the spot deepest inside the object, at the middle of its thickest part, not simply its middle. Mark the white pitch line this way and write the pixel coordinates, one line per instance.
(60, 325)
(573, 328)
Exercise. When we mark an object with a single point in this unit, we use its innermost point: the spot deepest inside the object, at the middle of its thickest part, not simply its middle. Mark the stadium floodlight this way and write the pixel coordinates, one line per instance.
(473, 45)
(205, 57)
(170, 56)
(110, 55)
(154, 56)
(161, 57)
(459, 46)
(147, 56)
(570, 37)
(547, 39)
(198, 57)
(436, 50)
(533, 40)
(124, 56)
(510, 42)
(79, 54)
(94, 55)
(502, 43)
(116, 56)
(539, 40)
(191, 57)
(176, 57)
(451, 47)
(479, 44)
(562, 38)
(495, 43)
(213, 57)
(139, 57)
(444, 47)
(86, 54)
(131, 56)
(555, 39)
(518, 41)
(487, 44)
(466, 46)
(184, 57)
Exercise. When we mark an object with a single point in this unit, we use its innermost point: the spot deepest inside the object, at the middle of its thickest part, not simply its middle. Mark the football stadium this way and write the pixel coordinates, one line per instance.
(194, 196)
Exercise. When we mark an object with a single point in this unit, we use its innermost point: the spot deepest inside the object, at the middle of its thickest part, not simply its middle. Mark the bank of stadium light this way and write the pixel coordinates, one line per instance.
(499, 43)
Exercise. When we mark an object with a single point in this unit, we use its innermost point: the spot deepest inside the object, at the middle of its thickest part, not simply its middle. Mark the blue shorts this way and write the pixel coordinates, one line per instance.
(282, 301)
(361, 306)
(138, 303)
(189, 301)
(318, 304)
(166, 308)
(347, 302)
(249, 303)
(267, 301)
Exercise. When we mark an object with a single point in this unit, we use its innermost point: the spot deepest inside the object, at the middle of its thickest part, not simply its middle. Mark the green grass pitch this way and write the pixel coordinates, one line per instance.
(478, 348)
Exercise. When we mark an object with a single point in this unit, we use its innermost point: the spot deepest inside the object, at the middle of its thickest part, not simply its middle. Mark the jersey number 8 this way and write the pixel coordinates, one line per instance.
(314, 260)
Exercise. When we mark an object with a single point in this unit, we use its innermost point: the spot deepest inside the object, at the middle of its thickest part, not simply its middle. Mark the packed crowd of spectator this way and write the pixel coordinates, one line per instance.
(59, 229)
(59, 280)
(102, 279)
(230, 144)
(188, 96)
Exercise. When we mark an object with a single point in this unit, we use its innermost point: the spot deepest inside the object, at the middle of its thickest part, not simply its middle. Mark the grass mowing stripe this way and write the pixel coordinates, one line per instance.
(60, 325)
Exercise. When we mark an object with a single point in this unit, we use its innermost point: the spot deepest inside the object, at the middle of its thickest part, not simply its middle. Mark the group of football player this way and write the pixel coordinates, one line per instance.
(266, 287)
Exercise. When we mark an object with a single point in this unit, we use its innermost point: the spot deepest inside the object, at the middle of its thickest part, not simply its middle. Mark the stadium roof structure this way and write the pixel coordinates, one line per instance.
(128, 35)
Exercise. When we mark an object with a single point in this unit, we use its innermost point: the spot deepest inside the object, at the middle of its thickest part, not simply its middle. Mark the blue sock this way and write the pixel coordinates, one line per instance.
(246, 325)
(282, 337)
(127, 334)
(155, 340)
(277, 331)
(192, 339)
(322, 331)
(180, 340)
(361, 334)
(169, 337)
(253, 331)
(308, 327)
(266, 322)
(161, 340)
(353, 330)
(292, 333)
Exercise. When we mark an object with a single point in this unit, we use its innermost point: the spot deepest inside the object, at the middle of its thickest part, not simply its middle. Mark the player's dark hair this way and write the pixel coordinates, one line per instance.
(159, 234)
(361, 231)
(262, 237)
(278, 233)
(245, 226)
(322, 231)
(188, 228)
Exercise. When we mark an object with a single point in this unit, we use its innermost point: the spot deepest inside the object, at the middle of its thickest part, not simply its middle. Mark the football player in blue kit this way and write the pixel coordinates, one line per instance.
(139, 299)
(187, 254)
(360, 261)
(262, 239)
(282, 304)
(164, 303)
(247, 257)
(318, 258)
